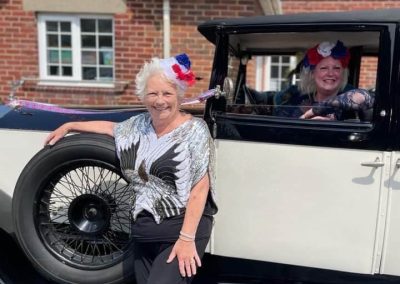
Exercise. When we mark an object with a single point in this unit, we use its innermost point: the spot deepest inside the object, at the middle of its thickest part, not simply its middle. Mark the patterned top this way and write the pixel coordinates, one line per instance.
(291, 103)
(162, 171)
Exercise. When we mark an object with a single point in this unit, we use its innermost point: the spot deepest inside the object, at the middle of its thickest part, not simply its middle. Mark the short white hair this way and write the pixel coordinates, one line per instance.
(148, 70)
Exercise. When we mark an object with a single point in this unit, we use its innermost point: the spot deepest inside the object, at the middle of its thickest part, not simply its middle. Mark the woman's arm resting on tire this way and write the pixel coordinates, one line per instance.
(100, 127)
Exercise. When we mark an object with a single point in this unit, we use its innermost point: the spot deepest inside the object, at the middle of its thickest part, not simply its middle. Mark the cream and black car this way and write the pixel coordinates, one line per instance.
(302, 199)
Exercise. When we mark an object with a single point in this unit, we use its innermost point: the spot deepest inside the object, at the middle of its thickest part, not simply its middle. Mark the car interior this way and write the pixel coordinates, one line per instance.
(264, 65)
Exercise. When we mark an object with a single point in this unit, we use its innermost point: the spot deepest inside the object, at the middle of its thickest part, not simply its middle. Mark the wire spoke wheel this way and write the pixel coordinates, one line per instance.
(71, 210)
(83, 216)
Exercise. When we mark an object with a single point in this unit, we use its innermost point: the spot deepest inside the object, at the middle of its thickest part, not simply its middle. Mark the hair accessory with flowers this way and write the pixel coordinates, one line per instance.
(324, 49)
(178, 70)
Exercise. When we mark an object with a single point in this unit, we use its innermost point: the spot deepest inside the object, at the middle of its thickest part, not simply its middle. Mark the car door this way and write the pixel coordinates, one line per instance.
(302, 192)
(391, 246)
(299, 204)
(391, 252)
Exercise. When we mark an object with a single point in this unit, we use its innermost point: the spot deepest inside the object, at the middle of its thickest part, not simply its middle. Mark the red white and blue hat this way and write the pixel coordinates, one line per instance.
(325, 49)
(177, 69)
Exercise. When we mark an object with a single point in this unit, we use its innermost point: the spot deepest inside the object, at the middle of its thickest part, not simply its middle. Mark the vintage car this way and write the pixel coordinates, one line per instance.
(294, 195)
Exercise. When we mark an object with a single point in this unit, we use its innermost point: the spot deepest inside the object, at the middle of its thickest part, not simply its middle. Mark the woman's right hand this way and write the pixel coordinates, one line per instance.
(57, 134)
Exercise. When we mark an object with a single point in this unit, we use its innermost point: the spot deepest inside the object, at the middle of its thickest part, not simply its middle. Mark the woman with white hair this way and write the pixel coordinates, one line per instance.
(167, 157)
(323, 92)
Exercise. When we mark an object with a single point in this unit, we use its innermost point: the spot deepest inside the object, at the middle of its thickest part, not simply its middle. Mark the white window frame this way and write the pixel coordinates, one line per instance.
(269, 65)
(76, 79)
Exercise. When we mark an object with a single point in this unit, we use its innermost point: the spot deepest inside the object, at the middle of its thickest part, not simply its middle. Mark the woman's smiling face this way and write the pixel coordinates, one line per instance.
(328, 76)
(161, 99)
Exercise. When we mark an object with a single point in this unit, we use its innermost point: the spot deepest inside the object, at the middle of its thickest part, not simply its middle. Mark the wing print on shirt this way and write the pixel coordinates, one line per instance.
(156, 190)
(165, 167)
(128, 156)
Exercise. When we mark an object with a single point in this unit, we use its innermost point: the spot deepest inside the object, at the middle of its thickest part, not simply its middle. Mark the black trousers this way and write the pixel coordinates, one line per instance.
(151, 267)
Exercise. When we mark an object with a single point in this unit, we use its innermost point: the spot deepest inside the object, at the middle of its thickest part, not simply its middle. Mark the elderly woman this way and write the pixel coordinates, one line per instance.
(167, 156)
(323, 92)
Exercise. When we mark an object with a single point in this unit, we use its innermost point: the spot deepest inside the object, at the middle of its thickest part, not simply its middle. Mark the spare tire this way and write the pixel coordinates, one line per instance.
(71, 212)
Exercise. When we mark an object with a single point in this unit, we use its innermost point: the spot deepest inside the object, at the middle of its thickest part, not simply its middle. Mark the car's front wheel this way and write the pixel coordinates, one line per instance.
(71, 212)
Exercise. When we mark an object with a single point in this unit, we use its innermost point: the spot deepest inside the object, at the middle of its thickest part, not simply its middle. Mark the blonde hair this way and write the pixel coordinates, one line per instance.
(307, 82)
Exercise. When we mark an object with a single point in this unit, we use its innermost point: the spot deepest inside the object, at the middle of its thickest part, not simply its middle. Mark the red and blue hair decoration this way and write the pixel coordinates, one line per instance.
(325, 49)
(178, 70)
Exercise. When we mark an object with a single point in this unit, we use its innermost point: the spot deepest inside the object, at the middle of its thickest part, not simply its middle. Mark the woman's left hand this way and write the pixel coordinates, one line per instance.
(187, 256)
(308, 114)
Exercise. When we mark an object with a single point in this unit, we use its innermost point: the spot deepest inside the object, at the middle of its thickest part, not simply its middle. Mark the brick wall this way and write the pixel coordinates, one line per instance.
(138, 37)
(297, 6)
(368, 65)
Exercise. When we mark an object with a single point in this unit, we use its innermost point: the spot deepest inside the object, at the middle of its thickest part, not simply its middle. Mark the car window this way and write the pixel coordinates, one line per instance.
(266, 73)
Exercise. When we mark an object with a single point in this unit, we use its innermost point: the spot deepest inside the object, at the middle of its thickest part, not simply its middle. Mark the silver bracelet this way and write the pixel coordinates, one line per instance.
(183, 234)
(183, 238)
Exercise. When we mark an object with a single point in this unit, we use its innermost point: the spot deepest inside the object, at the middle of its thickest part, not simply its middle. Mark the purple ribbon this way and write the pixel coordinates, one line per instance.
(16, 104)
(201, 98)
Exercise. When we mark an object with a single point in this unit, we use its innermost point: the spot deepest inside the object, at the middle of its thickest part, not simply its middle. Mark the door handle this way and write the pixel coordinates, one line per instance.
(375, 164)
(398, 163)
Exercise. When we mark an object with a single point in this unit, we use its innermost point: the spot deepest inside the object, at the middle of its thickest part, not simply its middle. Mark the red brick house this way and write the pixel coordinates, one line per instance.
(87, 52)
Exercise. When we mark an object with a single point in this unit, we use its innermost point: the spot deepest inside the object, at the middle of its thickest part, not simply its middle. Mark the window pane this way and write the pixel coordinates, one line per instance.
(88, 73)
(88, 25)
(105, 26)
(105, 41)
(275, 59)
(88, 41)
(285, 71)
(65, 26)
(274, 85)
(106, 73)
(286, 59)
(274, 71)
(52, 40)
(89, 57)
(51, 26)
(52, 56)
(67, 71)
(53, 70)
(65, 40)
(66, 56)
(94, 56)
(106, 58)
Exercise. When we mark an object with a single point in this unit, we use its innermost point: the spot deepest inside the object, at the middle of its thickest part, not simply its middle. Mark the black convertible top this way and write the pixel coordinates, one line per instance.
(208, 28)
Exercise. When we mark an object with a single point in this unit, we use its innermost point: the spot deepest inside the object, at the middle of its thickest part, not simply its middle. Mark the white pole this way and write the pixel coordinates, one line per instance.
(167, 29)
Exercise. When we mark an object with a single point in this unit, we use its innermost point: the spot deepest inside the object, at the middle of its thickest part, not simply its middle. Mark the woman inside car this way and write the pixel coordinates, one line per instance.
(323, 92)
(166, 156)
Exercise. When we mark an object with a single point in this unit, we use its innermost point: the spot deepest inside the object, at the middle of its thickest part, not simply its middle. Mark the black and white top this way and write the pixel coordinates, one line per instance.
(162, 171)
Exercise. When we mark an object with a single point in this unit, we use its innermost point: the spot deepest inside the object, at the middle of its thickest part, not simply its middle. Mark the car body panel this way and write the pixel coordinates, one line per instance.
(391, 250)
(299, 208)
(18, 148)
